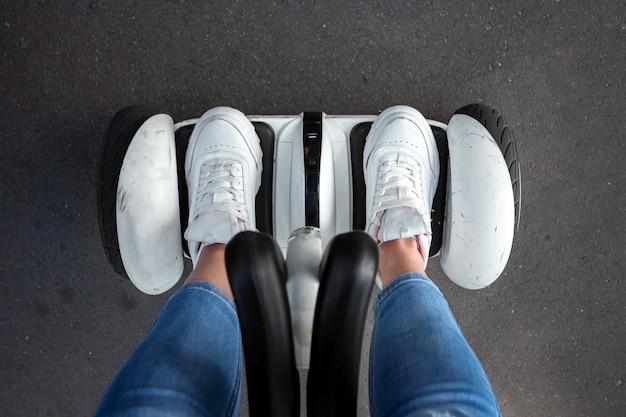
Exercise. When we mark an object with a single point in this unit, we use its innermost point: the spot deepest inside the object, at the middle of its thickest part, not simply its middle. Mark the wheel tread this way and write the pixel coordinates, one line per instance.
(498, 126)
(122, 129)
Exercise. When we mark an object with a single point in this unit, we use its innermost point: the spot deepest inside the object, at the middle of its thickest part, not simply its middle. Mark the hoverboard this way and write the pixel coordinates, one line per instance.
(309, 207)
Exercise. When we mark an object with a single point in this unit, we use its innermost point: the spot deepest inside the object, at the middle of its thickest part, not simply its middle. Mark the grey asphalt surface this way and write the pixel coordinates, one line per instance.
(550, 331)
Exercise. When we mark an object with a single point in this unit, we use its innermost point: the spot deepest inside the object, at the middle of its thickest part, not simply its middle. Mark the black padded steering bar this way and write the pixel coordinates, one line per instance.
(347, 272)
(257, 275)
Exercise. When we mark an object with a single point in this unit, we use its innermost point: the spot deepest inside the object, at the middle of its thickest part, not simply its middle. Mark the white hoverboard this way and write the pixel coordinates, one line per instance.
(307, 312)
(312, 177)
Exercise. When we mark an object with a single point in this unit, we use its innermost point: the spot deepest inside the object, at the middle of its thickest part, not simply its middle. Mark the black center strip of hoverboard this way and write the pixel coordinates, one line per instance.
(312, 141)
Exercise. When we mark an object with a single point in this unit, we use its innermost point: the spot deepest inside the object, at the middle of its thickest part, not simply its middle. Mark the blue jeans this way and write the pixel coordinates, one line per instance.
(189, 363)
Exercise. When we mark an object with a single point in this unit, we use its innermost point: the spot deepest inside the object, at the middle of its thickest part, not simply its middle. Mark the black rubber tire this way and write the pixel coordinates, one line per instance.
(497, 125)
(112, 151)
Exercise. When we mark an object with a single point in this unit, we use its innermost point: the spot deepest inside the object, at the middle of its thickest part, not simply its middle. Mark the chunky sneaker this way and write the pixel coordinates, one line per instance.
(223, 169)
(401, 166)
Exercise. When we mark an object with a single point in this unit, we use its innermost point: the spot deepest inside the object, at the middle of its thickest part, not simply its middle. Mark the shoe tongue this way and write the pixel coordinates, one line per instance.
(401, 222)
(213, 227)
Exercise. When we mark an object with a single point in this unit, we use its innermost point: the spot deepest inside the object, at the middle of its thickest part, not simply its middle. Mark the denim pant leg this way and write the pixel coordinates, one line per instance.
(420, 362)
(189, 363)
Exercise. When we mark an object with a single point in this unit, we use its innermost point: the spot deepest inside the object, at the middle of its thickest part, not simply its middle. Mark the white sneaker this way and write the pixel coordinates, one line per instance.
(401, 166)
(223, 170)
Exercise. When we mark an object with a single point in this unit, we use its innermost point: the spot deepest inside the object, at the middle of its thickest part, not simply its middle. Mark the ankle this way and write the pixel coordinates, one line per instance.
(211, 268)
(399, 256)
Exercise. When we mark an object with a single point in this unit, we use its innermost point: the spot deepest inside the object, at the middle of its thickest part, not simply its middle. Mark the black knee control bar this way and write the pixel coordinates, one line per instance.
(257, 274)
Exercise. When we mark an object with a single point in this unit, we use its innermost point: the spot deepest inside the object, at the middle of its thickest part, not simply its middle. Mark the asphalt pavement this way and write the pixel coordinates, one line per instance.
(550, 331)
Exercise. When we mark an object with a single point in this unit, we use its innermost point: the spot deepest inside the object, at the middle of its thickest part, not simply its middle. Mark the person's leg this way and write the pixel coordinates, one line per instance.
(190, 362)
(420, 363)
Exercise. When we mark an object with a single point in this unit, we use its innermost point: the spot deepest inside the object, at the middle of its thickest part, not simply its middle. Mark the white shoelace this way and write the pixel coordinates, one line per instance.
(399, 184)
(220, 188)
